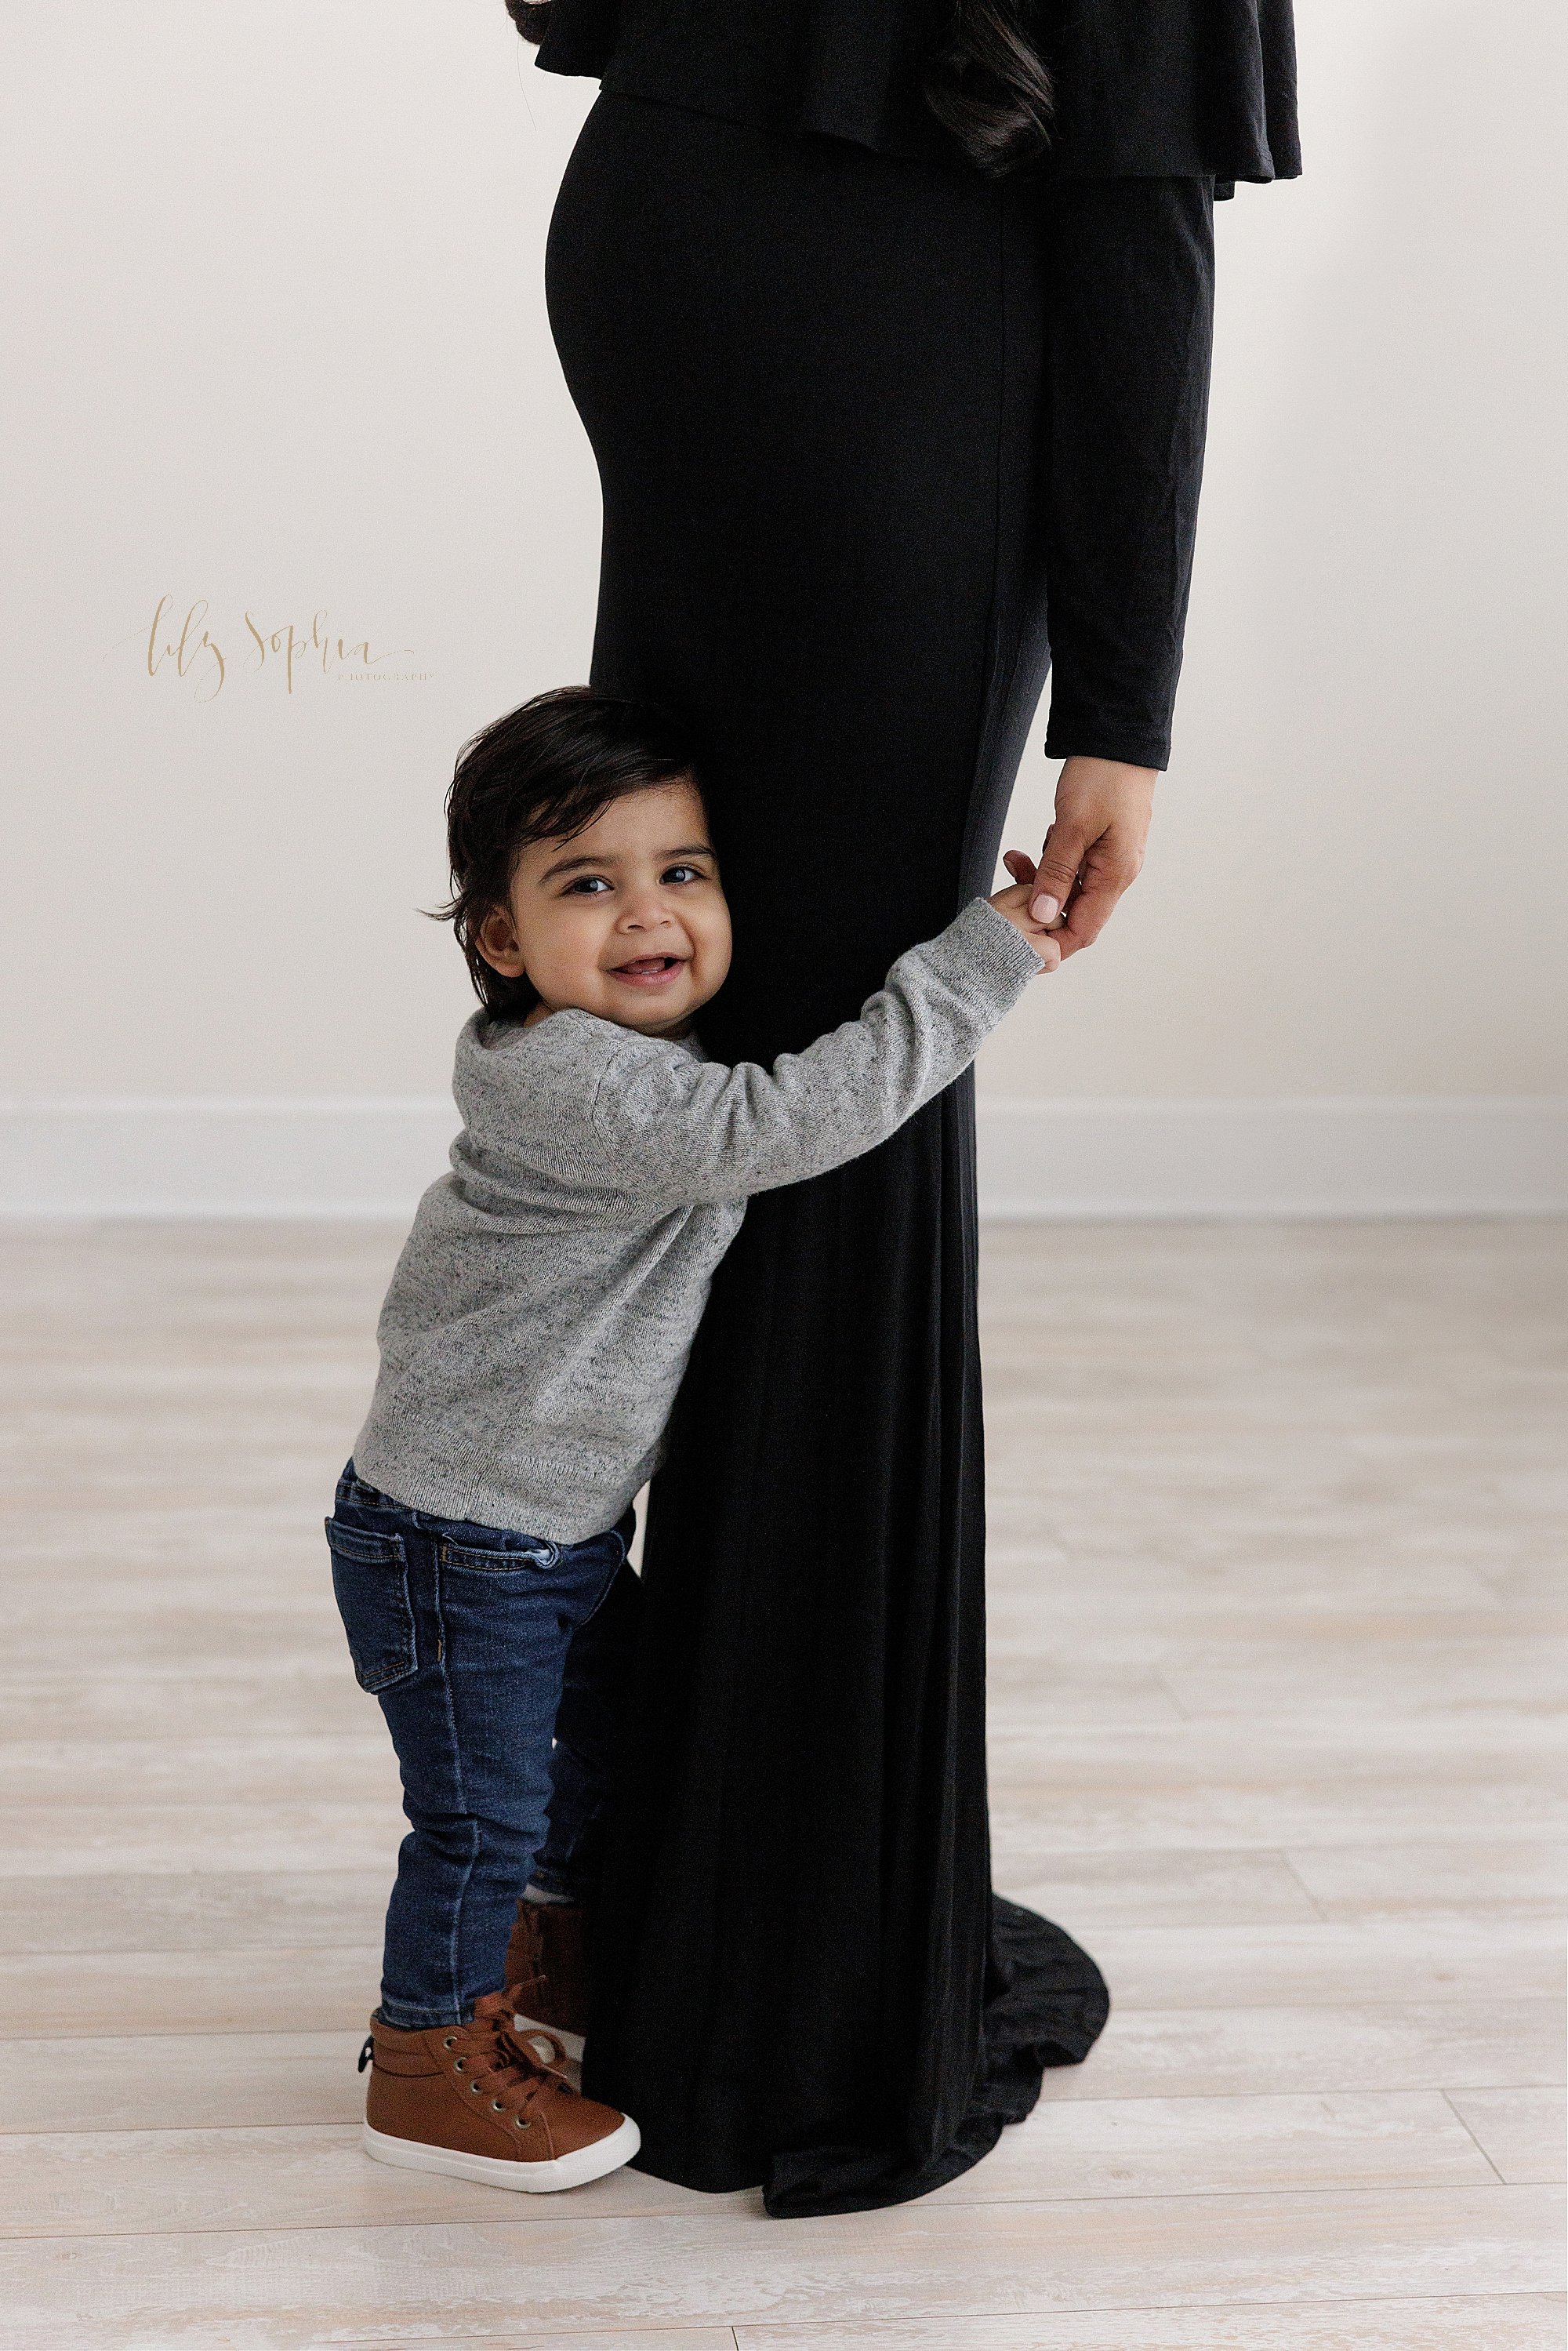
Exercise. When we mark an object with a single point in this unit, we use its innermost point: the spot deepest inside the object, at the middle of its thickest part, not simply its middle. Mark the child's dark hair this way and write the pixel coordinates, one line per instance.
(545, 772)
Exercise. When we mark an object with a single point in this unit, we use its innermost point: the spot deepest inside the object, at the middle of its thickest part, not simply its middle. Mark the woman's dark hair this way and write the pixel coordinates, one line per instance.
(988, 86)
(545, 772)
(986, 82)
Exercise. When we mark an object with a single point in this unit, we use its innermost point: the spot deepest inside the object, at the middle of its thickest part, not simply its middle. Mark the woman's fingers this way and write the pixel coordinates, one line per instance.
(1110, 868)
(1096, 847)
(1024, 871)
(1092, 903)
(1066, 846)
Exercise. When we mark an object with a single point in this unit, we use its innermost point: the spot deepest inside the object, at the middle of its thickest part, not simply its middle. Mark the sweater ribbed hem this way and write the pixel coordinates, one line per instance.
(480, 1502)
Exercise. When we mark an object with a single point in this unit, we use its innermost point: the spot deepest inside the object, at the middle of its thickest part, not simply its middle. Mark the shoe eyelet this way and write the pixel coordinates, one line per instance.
(499, 2109)
(460, 2064)
(521, 2124)
(476, 2088)
(449, 2039)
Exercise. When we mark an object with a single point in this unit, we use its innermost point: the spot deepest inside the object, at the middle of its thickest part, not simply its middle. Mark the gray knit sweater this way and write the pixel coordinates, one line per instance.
(545, 1303)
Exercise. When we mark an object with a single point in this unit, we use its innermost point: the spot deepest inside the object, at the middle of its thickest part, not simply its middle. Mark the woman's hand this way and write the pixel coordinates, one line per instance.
(1094, 851)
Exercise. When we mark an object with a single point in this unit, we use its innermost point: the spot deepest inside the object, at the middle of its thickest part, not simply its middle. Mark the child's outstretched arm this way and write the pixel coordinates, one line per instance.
(683, 1130)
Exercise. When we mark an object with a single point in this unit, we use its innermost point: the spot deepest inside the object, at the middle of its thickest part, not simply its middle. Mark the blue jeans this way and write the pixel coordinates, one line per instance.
(496, 1659)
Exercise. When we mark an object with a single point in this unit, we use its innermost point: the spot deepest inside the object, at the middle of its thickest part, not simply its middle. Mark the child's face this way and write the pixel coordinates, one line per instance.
(626, 919)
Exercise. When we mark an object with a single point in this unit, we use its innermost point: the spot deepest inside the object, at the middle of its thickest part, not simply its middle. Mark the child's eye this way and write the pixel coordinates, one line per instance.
(682, 873)
(589, 884)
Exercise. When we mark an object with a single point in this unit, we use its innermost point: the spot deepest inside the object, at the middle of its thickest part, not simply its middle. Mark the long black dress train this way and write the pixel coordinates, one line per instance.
(854, 414)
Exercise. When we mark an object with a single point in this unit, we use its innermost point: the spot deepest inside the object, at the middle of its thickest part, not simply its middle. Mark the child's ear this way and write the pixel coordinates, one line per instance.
(497, 940)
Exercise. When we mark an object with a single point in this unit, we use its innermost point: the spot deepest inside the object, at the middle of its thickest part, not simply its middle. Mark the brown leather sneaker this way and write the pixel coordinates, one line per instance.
(484, 2103)
(547, 1968)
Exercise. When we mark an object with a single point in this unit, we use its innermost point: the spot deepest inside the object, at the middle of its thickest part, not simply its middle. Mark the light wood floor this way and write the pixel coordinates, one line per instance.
(1277, 1710)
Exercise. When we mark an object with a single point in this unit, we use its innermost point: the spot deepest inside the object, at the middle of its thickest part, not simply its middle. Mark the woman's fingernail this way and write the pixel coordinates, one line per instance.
(1045, 910)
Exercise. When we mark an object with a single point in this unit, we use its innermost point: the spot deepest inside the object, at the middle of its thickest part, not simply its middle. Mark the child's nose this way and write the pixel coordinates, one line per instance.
(642, 912)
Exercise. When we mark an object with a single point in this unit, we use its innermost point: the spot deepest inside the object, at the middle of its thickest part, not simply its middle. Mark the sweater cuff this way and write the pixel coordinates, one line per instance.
(1067, 737)
(980, 963)
(986, 962)
(999, 945)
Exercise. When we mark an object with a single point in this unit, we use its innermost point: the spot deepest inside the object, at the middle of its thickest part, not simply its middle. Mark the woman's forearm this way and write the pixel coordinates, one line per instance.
(1130, 278)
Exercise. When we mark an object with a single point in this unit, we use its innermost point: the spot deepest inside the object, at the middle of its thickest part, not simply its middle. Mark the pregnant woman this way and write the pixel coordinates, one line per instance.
(889, 323)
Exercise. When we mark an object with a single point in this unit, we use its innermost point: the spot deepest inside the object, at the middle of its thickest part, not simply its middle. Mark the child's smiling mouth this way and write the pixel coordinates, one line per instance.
(649, 971)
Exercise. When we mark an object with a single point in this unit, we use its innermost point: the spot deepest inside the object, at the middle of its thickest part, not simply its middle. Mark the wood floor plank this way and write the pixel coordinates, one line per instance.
(1413, 1675)
(177, 1640)
(217, 1587)
(231, 1911)
(1242, 1750)
(1502, 1876)
(1212, 2145)
(1090, 1890)
(1516, 1578)
(1400, 1808)
(1098, 1692)
(1040, 1508)
(1037, 1592)
(1521, 2132)
(314, 1699)
(155, 1551)
(137, 1993)
(280, 1582)
(639, 2338)
(189, 2081)
(1413, 1956)
(291, 2176)
(1434, 2044)
(1233, 1750)
(1503, 2321)
(66, 1840)
(92, 2182)
(290, 2288)
(252, 1769)
(1085, 1624)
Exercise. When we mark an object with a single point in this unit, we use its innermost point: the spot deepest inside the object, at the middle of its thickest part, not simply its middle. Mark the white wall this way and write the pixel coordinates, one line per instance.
(1356, 881)
(278, 344)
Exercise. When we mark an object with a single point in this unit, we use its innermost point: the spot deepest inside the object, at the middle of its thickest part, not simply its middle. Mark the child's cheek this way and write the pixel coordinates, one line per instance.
(595, 935)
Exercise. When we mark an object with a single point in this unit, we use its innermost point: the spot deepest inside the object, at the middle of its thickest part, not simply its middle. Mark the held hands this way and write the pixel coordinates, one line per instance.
(1094, 851)
(1014, 904)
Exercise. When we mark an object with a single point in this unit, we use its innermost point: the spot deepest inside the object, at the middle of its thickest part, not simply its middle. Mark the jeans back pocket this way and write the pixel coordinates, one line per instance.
(370, 1577)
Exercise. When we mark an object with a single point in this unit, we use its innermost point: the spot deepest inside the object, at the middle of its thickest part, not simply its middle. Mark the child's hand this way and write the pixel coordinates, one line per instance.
(1014, 904)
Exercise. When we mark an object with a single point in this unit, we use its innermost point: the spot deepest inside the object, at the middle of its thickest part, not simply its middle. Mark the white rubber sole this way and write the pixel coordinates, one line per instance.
(541, 2178)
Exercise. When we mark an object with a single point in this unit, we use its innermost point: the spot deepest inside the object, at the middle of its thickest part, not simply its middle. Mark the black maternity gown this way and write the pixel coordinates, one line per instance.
(862, 417)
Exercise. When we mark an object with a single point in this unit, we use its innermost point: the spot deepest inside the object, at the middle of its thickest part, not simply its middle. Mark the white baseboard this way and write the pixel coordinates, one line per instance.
(1393, 1155)
(222, 1155)
(1338, 1156)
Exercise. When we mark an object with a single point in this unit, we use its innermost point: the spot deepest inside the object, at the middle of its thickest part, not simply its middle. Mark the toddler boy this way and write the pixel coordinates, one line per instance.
(531, 1343)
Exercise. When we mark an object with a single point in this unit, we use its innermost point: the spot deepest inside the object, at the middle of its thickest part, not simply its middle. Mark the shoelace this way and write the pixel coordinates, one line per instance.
(511, 2069)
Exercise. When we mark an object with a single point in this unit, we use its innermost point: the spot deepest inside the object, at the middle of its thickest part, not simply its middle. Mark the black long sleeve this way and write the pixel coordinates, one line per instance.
(1129, 303)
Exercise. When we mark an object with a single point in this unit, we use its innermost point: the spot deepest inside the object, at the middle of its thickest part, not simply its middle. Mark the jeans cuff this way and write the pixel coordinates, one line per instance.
(403, 2018)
